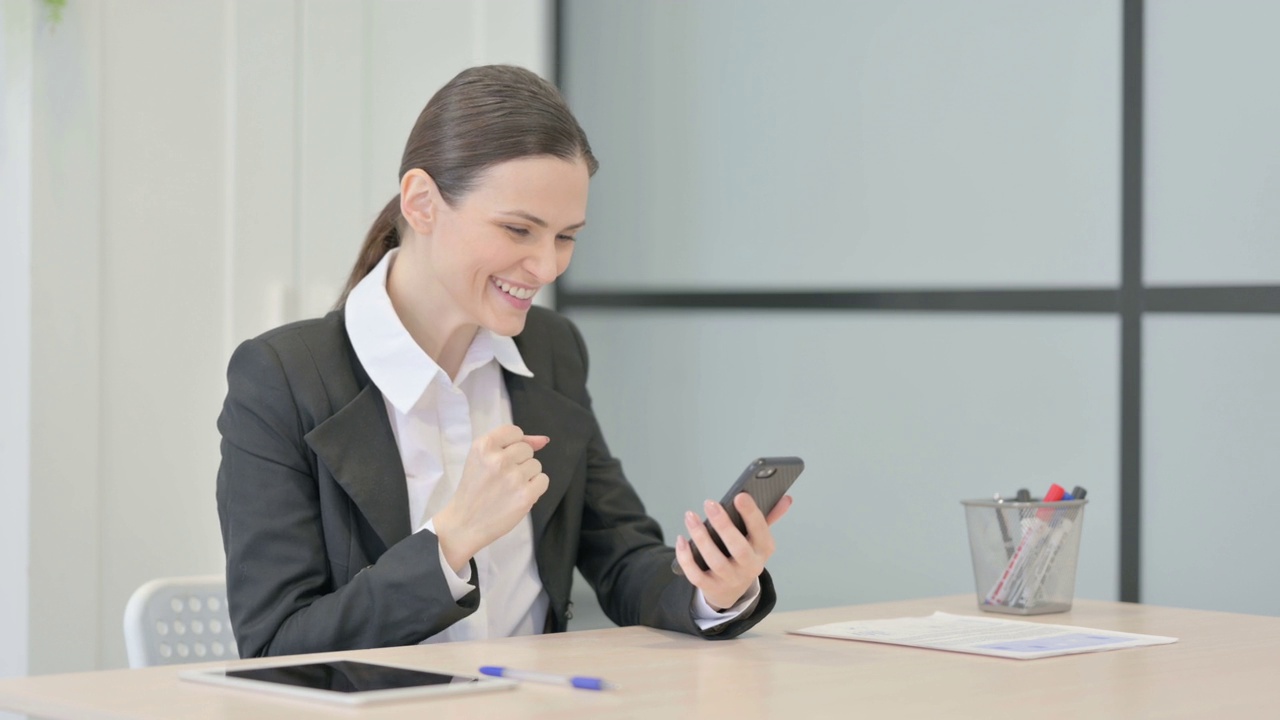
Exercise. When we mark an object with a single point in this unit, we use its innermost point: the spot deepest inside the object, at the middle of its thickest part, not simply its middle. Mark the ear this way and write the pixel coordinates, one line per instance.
(419, 200)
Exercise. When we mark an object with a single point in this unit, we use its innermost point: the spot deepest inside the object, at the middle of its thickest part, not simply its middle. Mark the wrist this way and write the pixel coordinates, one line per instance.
(717, 604)
(452, 542)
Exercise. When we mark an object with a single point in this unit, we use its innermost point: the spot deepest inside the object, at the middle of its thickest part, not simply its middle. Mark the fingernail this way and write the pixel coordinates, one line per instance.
(690, 518)
(712, 507)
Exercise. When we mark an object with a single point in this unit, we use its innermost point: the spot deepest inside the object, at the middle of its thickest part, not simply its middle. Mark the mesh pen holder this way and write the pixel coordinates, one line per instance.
(1024, 554)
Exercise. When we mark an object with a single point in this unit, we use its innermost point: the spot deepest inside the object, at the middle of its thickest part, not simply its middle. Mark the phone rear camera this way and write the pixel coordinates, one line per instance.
(767, 472)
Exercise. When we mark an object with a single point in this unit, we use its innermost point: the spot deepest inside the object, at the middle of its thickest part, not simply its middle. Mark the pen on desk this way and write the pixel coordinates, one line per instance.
(578, 681)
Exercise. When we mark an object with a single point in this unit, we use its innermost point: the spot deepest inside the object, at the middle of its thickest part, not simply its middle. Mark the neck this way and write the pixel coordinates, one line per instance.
(442, 334)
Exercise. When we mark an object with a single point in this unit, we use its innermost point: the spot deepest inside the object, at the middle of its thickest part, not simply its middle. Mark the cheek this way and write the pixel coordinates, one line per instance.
(563, 256)
(476, 254)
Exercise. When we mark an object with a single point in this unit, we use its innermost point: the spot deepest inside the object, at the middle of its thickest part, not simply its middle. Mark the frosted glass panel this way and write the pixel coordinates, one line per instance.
(1211, 425)
(1212, 150)
(897, 417)
(763, 144)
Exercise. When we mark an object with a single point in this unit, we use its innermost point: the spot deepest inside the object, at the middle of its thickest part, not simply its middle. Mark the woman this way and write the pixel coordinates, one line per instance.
(422, 464)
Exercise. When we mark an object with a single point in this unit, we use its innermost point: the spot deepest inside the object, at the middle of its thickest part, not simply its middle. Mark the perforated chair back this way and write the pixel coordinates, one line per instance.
(177, 620)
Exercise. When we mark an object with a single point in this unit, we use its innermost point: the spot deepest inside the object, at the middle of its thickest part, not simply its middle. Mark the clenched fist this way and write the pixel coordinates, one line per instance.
(500, 483)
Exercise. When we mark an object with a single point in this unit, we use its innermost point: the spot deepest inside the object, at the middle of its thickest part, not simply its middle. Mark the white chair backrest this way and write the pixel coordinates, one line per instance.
(179, 620)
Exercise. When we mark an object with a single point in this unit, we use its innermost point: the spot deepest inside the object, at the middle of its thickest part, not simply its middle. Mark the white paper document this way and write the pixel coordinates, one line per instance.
(985, 636)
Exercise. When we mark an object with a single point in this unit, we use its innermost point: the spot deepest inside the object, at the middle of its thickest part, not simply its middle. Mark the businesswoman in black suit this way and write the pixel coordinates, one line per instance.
(423, 463)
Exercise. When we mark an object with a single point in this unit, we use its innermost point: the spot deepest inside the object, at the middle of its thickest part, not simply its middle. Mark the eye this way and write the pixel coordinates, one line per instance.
(566, 238)
(517, 231)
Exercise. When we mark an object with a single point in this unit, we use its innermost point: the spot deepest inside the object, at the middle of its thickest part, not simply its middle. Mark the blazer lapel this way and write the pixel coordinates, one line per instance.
(356, 445)
(539, 410)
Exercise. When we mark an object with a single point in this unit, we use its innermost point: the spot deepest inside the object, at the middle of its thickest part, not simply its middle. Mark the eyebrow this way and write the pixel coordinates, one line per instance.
(537, 220)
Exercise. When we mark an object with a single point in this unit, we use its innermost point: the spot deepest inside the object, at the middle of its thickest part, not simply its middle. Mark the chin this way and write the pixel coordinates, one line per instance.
(508, 326)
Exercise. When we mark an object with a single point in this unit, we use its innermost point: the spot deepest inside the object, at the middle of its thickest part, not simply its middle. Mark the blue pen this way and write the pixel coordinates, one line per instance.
(578, 681)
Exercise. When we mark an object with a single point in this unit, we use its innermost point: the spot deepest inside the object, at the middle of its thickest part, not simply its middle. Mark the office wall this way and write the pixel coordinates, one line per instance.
(68, 426)
(1212, 460)
(897, 419)
(1212, 146)
(888, 147)
(828, 144)
(813, 146)
(202, 171)
(1212, 407)
(16, 60)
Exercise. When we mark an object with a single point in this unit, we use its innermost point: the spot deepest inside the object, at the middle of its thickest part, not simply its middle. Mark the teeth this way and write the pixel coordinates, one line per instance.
(513, 291)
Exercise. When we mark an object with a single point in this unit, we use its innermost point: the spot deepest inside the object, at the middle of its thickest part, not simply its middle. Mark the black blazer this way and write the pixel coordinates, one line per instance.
(314, 506)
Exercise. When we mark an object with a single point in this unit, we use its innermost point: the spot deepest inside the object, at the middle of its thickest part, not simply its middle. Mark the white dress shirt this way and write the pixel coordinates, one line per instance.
(435, 419)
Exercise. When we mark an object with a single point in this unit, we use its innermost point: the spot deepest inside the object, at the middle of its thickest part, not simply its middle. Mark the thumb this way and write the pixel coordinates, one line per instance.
(537, 442)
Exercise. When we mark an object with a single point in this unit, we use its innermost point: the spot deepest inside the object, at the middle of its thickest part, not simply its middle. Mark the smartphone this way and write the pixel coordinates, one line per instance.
(766, 480)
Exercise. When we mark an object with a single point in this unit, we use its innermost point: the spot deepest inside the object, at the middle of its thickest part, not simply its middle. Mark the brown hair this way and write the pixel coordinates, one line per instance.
(483, 116)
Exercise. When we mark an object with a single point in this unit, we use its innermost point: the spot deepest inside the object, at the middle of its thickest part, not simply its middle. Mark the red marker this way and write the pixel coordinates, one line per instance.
(1054, 495)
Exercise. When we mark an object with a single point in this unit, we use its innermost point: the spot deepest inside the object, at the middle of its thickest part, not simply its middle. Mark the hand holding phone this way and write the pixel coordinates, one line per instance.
(766, 480)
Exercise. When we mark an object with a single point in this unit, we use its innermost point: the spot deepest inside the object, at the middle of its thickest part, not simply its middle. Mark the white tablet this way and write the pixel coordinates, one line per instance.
(347, 682)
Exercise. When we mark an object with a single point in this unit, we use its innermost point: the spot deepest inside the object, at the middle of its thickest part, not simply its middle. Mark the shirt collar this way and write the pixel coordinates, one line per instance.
(394, 361)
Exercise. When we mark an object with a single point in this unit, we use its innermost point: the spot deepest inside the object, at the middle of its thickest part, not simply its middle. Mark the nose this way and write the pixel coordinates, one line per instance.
(542, 261)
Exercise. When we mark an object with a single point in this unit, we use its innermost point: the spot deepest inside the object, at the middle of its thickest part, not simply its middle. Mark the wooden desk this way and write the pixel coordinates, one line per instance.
(1224, 665)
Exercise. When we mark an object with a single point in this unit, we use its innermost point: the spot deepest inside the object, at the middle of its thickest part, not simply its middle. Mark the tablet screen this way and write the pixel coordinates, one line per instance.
(346, 676)
(348, 682)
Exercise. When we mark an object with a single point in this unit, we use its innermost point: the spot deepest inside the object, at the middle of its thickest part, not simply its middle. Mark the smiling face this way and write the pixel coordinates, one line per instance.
(480, 261)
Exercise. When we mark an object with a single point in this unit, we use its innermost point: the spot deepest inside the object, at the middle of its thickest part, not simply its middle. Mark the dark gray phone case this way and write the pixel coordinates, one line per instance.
(766, 480)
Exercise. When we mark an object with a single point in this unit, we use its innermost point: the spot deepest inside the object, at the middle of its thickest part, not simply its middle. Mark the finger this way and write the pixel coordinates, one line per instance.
(758, 533)
(537, 442)
(504, 435)
(780, 509)
(751, 515)
(517, 453)
(734, 541)
(684, 555)
(698, 535)
(530, 468)
(538, 485)
(532, 490)
(517, 476)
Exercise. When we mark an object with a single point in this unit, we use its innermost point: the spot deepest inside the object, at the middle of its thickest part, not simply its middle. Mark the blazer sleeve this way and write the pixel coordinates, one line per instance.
(281, 593)
(622, 554)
